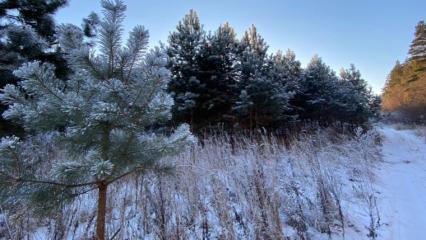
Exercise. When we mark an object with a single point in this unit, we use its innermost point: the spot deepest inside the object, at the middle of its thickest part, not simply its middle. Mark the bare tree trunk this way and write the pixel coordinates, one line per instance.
(100, 220)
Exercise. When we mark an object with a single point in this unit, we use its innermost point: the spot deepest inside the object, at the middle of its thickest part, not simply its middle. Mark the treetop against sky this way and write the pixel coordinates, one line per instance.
(370, 34)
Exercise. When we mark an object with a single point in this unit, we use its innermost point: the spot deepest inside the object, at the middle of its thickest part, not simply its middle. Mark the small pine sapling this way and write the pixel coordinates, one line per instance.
(107, 116)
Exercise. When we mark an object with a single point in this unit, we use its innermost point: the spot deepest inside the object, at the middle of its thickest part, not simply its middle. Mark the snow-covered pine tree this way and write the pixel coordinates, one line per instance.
(184, 51)
(252, 56)
(268, 83)
(359, 97)
(271, 90)
(418, 46)
(105, 115)
(290, 69)
(284, 73)
(218, 72)
(376, 107)
(317, 96)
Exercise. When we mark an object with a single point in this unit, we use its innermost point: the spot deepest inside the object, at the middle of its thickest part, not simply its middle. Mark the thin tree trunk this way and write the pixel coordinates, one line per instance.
(251, 123)
(100, 220)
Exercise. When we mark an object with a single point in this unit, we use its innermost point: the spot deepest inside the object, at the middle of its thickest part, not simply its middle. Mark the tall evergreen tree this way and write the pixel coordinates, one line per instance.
(359, 98)
(252, 54)
(405, 89)
(105, 116)
(285, 72)
(393, 90)
(272, 89)
(418, 46)
(253, 83)
(290, 69)
(184, 54)
(218, 72)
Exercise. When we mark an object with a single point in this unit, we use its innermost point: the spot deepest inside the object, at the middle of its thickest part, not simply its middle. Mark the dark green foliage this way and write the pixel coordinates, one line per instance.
(218, 75)
(326, 98)
(217, 79)
(252, 53)
(184, 55)
(317, 96)
(361, 104)
(254, 84)
(90, 25)
(36, 13)
(27, 31)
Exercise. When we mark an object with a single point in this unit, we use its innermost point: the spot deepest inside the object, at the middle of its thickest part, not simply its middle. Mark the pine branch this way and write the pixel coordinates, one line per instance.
(47, 88)
(48, 182)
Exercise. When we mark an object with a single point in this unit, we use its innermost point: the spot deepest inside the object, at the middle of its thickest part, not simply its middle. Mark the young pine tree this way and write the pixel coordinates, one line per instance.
(105, 115)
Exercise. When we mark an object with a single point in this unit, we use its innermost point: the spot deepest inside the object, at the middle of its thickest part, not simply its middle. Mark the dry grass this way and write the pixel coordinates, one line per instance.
(249, 190)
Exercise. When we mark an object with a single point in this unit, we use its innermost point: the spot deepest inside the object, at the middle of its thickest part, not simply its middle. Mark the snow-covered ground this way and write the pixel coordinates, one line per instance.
(265, 191)
(402, 185)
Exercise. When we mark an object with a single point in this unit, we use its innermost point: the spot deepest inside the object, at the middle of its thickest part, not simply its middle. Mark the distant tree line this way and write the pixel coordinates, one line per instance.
(405, 88)
(216, 78)
(219, 79)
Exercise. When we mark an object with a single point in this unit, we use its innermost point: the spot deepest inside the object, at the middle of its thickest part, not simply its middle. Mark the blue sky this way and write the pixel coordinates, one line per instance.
(372, 34)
